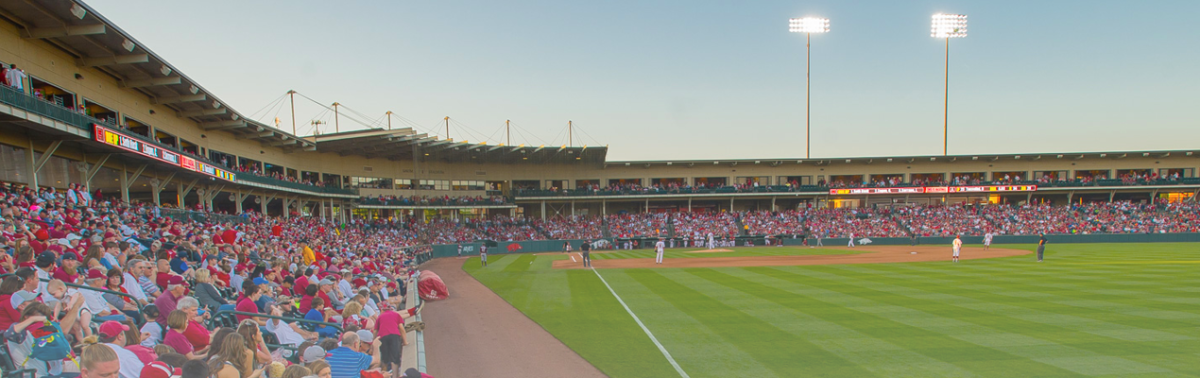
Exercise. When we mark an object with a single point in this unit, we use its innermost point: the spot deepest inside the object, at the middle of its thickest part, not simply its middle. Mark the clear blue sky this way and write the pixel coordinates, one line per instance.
(706, 79)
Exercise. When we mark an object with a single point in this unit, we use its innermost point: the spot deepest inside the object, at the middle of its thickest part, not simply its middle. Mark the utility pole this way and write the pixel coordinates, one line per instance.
(507, 133)
(447, 127)
(292, 95)
(570, 134)
(389, 115)
(336, 127)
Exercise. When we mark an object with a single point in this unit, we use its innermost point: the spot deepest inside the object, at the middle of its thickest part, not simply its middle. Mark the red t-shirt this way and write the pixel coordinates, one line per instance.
(245, 305)
(62, 274)
(305, 304)
(276, 230)
(197, 334)
(229, 236)
(302, 283)
(162, 279)
(325, 297)
(176, 340)
(8, 314)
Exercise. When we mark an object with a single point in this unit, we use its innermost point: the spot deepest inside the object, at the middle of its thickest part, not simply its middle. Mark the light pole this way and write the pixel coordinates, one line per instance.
(808, 26)
(948, 26)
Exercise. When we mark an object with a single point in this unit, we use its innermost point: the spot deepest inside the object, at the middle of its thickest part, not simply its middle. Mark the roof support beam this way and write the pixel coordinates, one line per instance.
(64, 31)
(203, 112)
(155, 82)
(113, 60)
(222, 125)
(178, 99)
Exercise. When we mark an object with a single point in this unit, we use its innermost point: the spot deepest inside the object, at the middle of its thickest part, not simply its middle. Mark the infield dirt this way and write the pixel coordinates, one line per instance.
(877, 255)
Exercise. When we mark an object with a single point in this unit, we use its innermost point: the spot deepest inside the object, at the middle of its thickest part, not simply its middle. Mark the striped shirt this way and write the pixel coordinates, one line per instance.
(347, 363)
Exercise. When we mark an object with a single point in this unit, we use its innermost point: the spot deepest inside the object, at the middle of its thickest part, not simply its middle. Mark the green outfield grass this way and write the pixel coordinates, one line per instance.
(1090, 310)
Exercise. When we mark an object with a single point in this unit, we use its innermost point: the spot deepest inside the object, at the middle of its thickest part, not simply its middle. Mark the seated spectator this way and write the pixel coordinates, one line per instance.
(196, 333)
(320, 368)
(152, 331)
(101, 309)
(169, 300)
(112, 334)
(126, 304)
(231, 359)
(98, 361)
(177, 323)
(20, 340)
(320, 313)
(252, 334)
(195, 369)
(296, 371)
(347, 361)
(206, 293)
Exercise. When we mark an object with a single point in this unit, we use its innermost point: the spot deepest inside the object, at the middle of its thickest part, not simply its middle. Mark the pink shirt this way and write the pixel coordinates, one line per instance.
(389, 323)
(178, 341)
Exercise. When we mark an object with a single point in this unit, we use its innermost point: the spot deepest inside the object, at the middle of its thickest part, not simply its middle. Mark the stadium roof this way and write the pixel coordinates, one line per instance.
(98, 43)
(406, 144)
(913, 159)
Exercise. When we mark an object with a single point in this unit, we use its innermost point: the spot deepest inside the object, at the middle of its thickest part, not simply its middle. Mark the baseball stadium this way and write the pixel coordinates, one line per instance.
(153, 230)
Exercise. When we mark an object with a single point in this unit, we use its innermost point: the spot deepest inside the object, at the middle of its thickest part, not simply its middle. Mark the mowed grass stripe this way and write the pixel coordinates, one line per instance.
(1064, 348)
(929, 344)
(752, 335)
(521, 264)
(1091, 308)
(700, 350)
(781, 310)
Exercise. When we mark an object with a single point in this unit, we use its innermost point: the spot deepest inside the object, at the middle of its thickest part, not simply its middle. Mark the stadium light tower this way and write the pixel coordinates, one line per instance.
(808, 26)
(947, 26)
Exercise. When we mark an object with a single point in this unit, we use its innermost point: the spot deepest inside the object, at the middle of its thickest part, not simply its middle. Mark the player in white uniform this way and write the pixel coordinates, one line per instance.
(710, 241)
(851, 245)
(987, 240)
(957, 246)
(658, 251)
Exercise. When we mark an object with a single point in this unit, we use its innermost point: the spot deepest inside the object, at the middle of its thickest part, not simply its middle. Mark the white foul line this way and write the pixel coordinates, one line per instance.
(644, 329)
(572, 258)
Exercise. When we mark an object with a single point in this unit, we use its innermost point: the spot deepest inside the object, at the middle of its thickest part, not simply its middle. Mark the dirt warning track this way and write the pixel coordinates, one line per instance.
(877, 255)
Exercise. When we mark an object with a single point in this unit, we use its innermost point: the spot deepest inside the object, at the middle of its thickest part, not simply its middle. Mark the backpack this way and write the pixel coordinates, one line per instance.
(49, 343)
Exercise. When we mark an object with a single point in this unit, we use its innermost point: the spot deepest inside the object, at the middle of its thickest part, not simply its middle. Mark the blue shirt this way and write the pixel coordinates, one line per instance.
(347, 363)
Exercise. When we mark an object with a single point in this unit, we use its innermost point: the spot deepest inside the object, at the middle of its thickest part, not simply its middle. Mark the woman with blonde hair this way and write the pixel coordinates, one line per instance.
(350, 316)
(296, 371)
(206, 293)
(231, 359)
(320, 368)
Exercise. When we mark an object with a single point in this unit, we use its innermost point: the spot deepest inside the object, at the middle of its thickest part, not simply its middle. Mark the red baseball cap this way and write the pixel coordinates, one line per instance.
(112, 328)
(156, 369)
(176, 280)
(95, 274)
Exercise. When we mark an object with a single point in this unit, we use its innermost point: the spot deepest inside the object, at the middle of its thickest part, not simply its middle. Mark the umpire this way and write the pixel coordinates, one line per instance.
(586, 250)
(1041, 247)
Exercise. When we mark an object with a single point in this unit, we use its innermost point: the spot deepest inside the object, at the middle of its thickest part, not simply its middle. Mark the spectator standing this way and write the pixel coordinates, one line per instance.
(15, 77)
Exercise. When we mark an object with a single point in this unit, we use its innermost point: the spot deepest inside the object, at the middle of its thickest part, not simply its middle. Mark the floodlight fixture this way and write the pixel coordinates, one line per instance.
(949, 26)
(808, 26)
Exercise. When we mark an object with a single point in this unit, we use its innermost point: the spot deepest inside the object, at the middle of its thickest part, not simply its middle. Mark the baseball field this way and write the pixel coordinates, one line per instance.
(1089, 310)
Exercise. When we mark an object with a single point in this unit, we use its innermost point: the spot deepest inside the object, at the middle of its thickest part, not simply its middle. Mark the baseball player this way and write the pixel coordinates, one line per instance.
(459, 249)
(483, 254)
(658, 251)
(987, 240)
(818, 235)
(851, 245)
(957, 246)
(1041, 247)
(710, 241)
(586, 251)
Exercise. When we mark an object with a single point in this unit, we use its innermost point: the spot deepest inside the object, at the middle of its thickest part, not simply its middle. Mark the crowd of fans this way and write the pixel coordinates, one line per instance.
(575, 227)
(333, 292)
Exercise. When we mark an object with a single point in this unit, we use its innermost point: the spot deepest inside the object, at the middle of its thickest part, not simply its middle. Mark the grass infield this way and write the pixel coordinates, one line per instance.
(1089, 310)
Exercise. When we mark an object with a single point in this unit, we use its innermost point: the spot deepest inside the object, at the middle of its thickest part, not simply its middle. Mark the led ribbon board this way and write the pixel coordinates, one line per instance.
(936, 190)
(125, 142)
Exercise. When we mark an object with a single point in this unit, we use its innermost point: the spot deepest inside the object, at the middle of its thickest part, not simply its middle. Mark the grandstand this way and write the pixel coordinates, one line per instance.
(104, 141)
